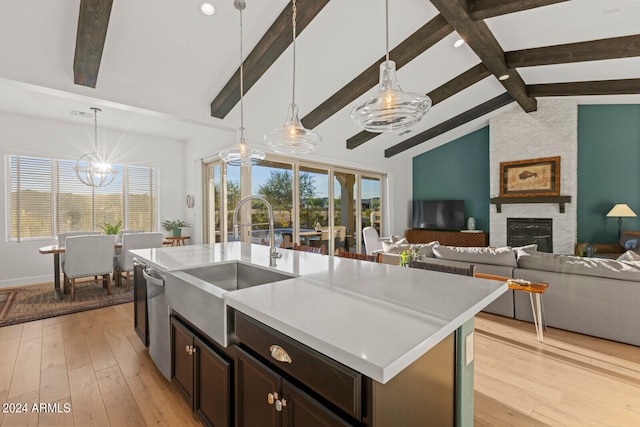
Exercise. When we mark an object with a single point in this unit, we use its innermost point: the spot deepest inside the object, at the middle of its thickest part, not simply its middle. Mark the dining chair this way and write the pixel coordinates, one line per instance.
(62, 238)
(87, 256)
(322, 249)
(371, 239)
(124, 260)
(363, 257)
(287, 241)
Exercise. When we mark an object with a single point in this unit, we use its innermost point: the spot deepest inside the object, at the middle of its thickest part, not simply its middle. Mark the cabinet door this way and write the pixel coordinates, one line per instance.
(212, 394)
(302, 410)
(255, 383)
(140, 316)
(182, 359)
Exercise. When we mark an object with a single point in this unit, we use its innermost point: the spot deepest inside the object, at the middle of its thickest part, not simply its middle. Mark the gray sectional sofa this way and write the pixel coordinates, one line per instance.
(592, 296)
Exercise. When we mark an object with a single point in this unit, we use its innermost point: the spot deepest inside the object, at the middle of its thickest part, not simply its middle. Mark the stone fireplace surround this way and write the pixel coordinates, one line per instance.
(550, 131)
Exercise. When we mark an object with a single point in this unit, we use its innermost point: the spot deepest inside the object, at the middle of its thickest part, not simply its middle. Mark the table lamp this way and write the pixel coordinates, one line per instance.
(621, 210)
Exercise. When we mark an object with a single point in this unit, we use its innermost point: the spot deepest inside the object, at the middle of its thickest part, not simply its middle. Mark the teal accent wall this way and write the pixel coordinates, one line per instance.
(608, 169)
(457, 170)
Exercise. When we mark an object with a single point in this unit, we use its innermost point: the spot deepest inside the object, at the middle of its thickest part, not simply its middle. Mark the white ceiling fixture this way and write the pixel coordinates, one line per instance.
(391, 109)
(241, 154)
(93, 169)
(207, 8)
(293, 138)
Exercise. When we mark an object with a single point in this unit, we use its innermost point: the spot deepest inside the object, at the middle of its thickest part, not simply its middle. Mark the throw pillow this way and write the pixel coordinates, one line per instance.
(399, 240)
(524, 250)
(394, 248)
(426, 249)
(629, 256)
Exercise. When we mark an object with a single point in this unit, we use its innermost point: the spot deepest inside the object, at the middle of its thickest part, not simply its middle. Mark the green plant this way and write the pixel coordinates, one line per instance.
(111, 229)
(407, 256)
(174, 225)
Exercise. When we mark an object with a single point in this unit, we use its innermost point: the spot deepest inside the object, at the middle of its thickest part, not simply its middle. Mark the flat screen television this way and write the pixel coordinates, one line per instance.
(438, 214)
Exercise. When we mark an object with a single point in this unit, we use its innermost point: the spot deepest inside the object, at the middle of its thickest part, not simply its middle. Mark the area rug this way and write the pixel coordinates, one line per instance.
(35, 302)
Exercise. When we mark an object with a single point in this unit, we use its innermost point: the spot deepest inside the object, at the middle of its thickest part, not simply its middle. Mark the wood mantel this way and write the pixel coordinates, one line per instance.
(560, 200)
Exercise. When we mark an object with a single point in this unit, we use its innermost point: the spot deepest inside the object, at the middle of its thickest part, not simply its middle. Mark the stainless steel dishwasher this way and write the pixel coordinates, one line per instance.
(158, 311)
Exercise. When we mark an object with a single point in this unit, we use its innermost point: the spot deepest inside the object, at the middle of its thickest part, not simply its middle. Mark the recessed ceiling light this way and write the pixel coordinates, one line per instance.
(503, 77)
(207, 8)
(458, 43)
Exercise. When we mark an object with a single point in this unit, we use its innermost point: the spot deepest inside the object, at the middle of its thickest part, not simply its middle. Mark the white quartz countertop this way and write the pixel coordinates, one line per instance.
(374, 318)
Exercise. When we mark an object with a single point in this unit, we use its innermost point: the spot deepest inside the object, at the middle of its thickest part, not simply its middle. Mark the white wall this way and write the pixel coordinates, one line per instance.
(550, 131)
(20, 262)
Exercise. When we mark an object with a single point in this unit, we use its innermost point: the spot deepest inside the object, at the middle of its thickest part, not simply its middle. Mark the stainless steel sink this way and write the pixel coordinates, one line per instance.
(197, 293)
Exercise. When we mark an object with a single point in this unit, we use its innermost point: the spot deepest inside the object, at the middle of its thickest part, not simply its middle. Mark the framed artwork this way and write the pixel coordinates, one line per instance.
(535, 177)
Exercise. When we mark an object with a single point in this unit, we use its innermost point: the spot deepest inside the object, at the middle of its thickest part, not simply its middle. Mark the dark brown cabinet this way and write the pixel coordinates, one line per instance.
(140, 315)
(202, 374)
(267, 399)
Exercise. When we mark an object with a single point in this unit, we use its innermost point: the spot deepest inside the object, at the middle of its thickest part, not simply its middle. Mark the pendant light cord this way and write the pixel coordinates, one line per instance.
(293, 26)
(241, 76)
(386, 14)
(95, 128)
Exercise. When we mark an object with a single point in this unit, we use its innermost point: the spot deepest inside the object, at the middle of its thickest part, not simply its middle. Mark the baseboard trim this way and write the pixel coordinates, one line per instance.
(22, 281)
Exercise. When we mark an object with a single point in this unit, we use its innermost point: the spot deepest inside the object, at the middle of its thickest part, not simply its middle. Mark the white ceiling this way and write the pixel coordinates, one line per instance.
(164, 62)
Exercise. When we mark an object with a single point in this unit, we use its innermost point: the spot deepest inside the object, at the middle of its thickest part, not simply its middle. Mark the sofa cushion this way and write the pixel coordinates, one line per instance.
(569, 264)
(424, 249)
(495, 256)
(525, 249)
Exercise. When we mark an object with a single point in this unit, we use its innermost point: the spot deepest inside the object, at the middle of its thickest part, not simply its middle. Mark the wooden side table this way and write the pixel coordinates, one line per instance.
(177, 241)
(535, 293)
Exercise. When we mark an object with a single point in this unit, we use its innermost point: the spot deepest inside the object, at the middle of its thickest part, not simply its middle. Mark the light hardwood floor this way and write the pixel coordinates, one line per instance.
(95, 362)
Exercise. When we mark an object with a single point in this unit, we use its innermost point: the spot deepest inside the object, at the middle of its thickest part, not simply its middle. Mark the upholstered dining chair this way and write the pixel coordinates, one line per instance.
(62, 238)
(130, 241)
(322, 249)
(363, 257)
(371, 240)
(88, 256)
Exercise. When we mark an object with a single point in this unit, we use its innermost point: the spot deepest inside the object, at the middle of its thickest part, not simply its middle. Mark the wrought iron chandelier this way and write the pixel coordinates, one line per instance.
(93, 169)
(391, 108)
(293, 138)
(241, 154)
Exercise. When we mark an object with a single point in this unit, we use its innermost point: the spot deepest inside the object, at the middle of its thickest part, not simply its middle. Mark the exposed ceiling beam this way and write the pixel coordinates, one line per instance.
(483, 9)
(430, 33)
(93, 21)
(274, 42)
(479, 38)
(595, 50)
(453, 86)
(447, 125)
(598, 87)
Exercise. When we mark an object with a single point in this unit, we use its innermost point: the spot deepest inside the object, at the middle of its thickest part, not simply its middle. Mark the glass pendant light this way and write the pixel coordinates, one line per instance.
(93, 169)
(293, 138)
(391, 108)
(241, 154)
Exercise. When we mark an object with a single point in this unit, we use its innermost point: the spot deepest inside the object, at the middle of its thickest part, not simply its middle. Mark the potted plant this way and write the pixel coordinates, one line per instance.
(175, 226)
(111, 228)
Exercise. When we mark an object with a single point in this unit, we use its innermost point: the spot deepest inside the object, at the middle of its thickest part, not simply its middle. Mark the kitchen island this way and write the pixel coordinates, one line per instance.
(379, 321)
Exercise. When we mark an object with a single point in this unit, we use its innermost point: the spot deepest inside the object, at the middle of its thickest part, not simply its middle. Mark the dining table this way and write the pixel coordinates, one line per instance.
(56, 250)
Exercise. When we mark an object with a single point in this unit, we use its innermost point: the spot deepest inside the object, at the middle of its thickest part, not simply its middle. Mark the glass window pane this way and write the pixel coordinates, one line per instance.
(314, 205)
(274, 182)
(75, 200)
(214, 204)
(109, 202)
(142, 198)
(370, 199)
(233, 197)
(344, 188)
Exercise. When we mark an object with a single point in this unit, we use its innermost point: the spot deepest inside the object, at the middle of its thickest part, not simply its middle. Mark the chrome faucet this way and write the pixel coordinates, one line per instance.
(273, 253)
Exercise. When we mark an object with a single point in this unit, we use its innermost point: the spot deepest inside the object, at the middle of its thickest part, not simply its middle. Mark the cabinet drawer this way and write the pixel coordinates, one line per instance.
(333, 381)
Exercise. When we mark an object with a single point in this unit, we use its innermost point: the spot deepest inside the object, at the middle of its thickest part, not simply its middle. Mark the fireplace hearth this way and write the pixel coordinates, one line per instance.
(526, 231)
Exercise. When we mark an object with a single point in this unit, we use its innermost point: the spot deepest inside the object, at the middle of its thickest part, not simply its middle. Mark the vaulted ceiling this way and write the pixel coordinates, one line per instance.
(164, 68)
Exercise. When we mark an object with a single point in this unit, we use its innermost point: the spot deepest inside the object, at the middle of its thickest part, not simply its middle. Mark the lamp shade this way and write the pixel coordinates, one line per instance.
(621, 210)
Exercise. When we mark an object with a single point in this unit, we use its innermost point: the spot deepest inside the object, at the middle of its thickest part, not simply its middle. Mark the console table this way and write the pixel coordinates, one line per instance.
(448, 238)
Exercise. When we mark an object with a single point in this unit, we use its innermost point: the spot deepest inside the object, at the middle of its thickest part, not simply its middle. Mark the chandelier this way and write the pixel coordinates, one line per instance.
(293, 138)
(241, 154)
(391, 108)
(93, 169)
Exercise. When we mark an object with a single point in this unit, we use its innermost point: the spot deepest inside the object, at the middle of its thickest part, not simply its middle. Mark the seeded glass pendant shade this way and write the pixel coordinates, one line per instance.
(293, 138)
(93, 169)
(241, 154)
(391, 108)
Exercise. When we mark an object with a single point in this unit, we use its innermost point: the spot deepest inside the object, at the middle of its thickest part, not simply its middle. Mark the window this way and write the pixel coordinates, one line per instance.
(305, 197)
(44, 198)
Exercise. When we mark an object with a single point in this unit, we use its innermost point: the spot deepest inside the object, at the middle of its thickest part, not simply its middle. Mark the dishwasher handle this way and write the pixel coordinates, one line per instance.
(152, 280)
